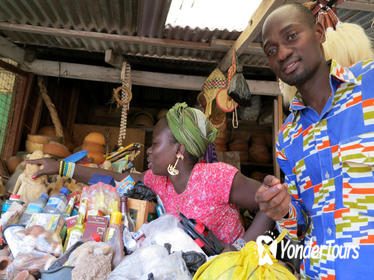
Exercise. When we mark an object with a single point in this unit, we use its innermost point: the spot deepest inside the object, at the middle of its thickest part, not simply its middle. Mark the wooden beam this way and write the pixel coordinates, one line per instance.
(113, 59)
(49, 31)
(251, 32)
(143, 78)
(12, 51)
(357, 5)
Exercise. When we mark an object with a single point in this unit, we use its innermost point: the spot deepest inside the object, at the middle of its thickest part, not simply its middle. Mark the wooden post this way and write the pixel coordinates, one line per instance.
(37, 114)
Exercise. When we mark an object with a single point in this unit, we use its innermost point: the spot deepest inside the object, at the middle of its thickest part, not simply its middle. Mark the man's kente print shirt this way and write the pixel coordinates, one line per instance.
(328, 162)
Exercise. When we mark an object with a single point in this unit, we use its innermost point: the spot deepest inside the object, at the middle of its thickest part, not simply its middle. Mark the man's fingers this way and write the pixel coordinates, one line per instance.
(271, 180)
(37, 174)
(265, 194)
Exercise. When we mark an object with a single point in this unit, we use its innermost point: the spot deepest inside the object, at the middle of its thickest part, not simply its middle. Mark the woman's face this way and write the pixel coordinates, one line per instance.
(163, 150)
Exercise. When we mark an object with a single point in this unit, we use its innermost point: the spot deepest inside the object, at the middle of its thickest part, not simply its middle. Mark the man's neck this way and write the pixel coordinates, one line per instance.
(316, 91)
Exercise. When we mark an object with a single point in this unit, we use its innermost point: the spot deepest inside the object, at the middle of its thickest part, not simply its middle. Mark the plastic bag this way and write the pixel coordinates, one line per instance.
(92, 260)
(238, 87)
(243, 265)
(166, 229)
(193, 260)
(142, 192)
(116, 242)
(153, 259)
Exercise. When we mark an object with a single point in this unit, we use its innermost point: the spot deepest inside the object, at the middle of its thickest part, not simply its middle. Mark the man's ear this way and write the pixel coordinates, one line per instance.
(320, 32)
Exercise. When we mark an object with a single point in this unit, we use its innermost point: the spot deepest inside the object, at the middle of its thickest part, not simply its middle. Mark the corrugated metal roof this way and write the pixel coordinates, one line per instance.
(145, 18)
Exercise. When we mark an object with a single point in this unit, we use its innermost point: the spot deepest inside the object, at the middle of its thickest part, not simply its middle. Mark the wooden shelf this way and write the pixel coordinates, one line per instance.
(250, 163)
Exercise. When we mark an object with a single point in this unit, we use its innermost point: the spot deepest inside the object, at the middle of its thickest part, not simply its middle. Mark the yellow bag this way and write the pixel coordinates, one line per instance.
(243, 265)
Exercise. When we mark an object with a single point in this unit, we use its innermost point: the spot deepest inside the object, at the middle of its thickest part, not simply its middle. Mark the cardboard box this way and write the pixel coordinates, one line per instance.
(140, 210)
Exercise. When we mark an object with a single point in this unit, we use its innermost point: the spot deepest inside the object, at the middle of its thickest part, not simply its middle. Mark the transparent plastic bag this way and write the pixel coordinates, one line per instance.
(153, 259)
(166, 229)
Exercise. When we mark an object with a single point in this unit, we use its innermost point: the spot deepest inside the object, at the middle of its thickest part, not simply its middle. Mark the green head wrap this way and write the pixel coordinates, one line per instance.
(191, 128)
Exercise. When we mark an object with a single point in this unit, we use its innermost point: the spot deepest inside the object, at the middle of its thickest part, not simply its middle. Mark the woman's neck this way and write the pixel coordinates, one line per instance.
(180, 181)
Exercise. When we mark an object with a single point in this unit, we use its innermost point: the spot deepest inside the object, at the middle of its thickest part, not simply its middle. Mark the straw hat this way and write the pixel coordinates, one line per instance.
(211, 86)
(224, 101)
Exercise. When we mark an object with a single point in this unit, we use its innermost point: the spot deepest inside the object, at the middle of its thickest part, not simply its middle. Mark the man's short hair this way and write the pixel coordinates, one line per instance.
(307, 14)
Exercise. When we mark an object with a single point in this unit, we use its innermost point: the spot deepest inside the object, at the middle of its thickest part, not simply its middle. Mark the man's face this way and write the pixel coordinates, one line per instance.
(292, 46)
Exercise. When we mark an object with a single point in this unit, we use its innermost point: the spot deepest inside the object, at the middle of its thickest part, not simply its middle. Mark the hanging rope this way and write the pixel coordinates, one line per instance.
(126, 96)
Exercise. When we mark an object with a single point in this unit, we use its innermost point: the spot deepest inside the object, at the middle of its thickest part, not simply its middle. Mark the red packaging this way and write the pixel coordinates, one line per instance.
(70, 222)
(97, 224)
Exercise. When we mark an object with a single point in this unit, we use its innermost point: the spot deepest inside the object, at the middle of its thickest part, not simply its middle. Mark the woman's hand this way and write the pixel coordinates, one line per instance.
(49, 166)
(228, 248)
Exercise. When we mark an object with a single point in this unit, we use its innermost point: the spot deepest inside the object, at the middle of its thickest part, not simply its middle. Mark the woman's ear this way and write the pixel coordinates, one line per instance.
(181, 149)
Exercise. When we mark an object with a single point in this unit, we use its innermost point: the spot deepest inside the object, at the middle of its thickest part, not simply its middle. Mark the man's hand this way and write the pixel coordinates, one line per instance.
(50, 166)
(273, 198)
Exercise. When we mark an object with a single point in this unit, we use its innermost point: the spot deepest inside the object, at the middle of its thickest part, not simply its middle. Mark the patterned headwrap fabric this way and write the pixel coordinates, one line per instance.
(191, 128)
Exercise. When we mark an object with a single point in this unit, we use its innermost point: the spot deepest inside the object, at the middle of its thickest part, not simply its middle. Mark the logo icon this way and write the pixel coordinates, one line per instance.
(264, 256)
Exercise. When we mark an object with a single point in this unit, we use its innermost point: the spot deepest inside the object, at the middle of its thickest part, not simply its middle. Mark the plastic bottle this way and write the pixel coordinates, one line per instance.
(115, 221)
(8, 202)
(57, 203)
(35, 206)
(76, 232)
(69, 207)
(126, 219)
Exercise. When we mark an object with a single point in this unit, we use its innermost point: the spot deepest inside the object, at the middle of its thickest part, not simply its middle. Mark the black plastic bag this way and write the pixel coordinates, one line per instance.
(238, 87)
(193, 260)
(142, 192)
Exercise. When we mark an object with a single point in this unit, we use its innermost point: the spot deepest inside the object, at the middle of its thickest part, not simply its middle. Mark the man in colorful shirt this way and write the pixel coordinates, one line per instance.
(325, 149)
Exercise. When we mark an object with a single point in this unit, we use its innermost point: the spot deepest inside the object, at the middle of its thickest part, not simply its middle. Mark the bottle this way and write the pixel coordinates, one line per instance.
(126, 219)
(76, 232)
(57, 203)
(115, 222)
(69, 207)
(35, 206)
(8, 202)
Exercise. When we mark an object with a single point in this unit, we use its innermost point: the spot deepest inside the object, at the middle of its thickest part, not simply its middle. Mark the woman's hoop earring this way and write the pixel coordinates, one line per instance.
(172, 170)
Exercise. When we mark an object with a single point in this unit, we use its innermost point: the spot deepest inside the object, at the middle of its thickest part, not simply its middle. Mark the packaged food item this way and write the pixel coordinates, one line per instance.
(12, 238)
(57, 203)
(12, 215)
(33, 207)
(102, 199)
(95, 224)
(50, 222)
(115, 222)
(75, 234)
(125, 185)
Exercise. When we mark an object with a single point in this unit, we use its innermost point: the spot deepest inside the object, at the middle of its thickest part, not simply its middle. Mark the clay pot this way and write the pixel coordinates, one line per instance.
(95, 137)
(42, 139)
(243, 156)
(33, 146)
(162, 113)
(143, 119)
(48, 131)
(12, 163)
(93, 147)
(221, 147)
(238, 146)
(95, 157)
(56, 149)
(259, 153)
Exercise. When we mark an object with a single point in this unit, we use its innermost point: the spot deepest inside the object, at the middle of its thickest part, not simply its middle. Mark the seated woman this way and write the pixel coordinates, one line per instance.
(209, 192)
